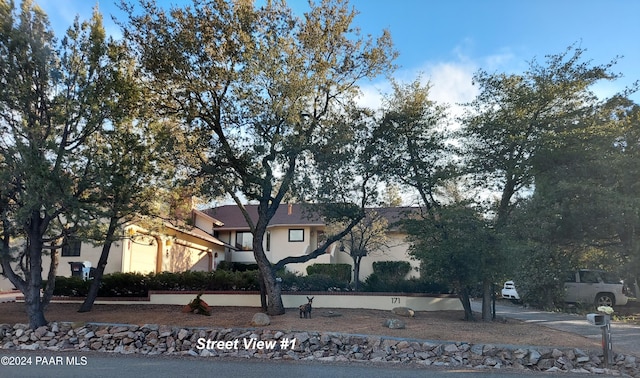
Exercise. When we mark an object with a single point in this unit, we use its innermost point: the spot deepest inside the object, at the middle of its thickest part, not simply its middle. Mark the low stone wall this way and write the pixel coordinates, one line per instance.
(154, 339)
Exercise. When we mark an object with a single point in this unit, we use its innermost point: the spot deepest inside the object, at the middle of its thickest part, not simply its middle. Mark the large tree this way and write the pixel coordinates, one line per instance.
(54, 97)
(266, 99)
(517, 118)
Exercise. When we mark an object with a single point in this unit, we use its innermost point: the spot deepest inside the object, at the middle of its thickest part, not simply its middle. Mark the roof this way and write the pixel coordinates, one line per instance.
(197, 233)
(286, 215)
(293, 215)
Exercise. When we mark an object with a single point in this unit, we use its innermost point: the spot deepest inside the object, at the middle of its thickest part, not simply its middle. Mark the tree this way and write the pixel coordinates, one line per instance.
(410, 142)
(126, 168)
(54, 98)
(517, 118)
(266, 100)
(453, 248)
(585, 205)
(368, 236)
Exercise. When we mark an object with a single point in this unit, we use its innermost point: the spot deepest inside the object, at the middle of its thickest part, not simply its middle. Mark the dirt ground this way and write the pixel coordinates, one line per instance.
(441, 325)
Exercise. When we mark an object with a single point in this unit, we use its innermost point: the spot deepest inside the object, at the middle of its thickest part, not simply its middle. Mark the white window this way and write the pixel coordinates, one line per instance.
(296, 235)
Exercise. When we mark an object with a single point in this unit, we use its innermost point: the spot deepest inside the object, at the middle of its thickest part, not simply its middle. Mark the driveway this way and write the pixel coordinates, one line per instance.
(625, 338)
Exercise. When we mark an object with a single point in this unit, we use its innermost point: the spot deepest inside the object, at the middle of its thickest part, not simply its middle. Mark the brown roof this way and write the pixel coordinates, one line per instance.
(292, 215)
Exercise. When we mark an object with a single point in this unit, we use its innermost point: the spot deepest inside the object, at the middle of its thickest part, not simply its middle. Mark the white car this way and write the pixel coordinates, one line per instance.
(509, 291)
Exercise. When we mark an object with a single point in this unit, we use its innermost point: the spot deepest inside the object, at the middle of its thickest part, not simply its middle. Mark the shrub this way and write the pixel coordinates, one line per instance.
(378, 283)
(236, 266)
(340, 272)
(313, 282)
(391, 270)
(70, 287)
(124, 285)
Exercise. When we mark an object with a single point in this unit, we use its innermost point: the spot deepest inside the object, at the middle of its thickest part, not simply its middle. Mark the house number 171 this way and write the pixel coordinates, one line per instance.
(395, 300)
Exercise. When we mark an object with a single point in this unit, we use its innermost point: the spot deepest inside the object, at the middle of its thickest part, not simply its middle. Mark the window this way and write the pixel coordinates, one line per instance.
(296, 235)
(71, 247)
(244, 241)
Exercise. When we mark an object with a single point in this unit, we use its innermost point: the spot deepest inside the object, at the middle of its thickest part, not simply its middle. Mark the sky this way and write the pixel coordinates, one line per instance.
(446, 41)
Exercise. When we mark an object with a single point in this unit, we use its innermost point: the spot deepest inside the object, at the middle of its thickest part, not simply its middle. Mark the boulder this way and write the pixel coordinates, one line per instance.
(404, 311)
(394, 324)
(260, 319)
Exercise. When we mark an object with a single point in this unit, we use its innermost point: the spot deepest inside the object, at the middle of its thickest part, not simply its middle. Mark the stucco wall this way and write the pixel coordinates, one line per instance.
(321, 300)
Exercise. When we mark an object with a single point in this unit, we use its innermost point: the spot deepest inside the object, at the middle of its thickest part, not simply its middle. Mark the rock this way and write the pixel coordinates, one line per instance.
(260, 319)
(404, 311)
(394, 324)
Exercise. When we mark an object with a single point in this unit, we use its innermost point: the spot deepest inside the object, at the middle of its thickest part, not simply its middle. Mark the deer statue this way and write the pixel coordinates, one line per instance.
(305, 309)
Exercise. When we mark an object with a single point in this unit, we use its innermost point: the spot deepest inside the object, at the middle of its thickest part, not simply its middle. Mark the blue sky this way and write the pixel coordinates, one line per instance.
(446, 41)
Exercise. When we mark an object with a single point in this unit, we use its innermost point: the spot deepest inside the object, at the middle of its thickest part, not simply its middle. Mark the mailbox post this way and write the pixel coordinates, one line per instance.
(604, 322)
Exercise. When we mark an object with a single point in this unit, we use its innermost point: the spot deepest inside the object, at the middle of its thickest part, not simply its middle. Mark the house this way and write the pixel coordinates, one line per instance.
(167, 247)
(222, 234)
(296, 230)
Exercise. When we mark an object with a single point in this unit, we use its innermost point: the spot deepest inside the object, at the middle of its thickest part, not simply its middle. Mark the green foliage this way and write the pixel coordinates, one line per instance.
(124, 285)
(70, 286)
(339, 272)
(391, 270)
(458, 247)
(138, 285)
(236, 266)
(385, 284)
(312, 282)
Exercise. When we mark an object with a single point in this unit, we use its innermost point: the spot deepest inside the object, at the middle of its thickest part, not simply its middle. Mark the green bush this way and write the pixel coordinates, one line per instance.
(377, 283)
(236, 266)
(313, 282)
(124, 285)
(138, 285)
(391, 270)
(340, 272)
(70, 287)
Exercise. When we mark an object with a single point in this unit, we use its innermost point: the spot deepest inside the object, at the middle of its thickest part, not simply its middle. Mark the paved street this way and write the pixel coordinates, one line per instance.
(139, 366)
(625, 337)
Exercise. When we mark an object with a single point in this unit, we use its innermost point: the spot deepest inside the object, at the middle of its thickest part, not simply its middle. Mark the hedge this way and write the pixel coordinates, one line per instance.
(139, 285)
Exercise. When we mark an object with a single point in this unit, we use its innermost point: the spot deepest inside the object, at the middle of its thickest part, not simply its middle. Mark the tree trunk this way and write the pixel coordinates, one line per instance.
(263, 291)
(466, 304)
(356, 272)
(486, 301)
(32, 300)
(87, 305)
(272, 287)
(51, 278)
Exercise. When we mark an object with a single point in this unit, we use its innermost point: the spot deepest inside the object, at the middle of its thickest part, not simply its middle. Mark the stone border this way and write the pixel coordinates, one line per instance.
(153, 339)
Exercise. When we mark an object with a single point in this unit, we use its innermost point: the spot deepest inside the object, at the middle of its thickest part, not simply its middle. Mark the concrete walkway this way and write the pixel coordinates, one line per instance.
(625, 338)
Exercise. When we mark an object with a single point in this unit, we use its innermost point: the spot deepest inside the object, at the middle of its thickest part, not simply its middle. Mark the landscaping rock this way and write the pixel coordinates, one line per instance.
(260, 319)
(394, 324)
(307, 345)
(404, 311)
